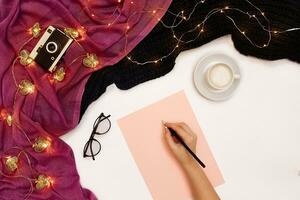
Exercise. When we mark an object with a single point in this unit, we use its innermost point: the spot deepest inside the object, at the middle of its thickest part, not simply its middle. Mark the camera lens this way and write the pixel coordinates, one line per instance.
(51, 47)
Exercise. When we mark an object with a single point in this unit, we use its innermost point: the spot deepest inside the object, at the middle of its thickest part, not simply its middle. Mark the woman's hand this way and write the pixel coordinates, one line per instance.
(200, 185)
(189, 138)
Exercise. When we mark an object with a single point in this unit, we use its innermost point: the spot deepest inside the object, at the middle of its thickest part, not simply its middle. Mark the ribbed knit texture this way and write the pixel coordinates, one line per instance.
(282, 14)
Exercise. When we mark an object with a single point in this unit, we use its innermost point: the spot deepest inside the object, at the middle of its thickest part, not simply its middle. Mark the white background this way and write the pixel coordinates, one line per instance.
(254, 136)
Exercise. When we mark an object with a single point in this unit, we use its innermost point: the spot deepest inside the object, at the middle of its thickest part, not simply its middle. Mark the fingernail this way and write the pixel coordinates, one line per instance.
(164, 125)
(166, 129)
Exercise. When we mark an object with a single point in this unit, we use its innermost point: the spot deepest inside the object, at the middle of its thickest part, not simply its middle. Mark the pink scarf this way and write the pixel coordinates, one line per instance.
(49, 108)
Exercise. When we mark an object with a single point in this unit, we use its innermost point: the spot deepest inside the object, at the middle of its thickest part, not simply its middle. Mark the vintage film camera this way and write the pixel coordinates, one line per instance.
(51, 48)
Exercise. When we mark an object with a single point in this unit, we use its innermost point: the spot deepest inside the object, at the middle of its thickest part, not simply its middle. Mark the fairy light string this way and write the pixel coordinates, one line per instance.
(26, 87)
(12, 164)
(90, 60)
(200, 28)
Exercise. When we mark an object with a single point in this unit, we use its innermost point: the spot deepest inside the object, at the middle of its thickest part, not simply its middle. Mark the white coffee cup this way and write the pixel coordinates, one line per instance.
(220, 76)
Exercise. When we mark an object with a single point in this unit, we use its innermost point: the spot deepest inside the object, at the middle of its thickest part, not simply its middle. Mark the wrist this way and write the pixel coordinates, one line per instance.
(189, 164)
(192, 168)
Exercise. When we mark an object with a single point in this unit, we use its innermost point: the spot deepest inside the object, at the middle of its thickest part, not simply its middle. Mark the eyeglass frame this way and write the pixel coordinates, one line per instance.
(89, 143)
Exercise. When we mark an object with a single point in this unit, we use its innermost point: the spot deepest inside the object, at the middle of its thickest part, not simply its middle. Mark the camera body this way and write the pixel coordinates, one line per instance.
(51, 48)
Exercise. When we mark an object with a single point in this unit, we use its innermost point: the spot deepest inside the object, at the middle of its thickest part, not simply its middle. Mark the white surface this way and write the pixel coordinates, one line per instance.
(254, 135)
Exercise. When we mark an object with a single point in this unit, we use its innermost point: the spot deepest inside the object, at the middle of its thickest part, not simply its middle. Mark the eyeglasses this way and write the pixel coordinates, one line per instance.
(101, 126)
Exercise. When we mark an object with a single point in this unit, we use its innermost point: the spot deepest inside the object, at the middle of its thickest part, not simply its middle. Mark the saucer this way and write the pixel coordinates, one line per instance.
(202, 85)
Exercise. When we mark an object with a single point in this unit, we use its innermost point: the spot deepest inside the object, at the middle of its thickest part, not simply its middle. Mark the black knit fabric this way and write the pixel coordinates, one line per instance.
(282, 14)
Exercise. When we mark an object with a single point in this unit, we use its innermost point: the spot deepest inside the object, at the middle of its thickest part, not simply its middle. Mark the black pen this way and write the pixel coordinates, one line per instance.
(174, 134)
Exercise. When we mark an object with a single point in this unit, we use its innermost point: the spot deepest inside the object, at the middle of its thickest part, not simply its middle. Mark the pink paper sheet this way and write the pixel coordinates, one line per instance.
(143, 133)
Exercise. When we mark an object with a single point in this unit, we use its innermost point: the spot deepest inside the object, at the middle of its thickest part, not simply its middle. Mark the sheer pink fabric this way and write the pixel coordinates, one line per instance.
(53, 109)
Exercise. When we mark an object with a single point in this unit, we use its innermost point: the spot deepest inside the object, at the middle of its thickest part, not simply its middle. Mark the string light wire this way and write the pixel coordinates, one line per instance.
(179, 18)
(224, 10)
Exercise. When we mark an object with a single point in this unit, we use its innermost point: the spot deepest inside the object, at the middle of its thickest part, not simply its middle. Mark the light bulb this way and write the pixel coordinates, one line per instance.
(41, 144)
(43, 182)
(26, 87)
(35, 30)
(24, 57)
(72, 32)
(59, 75)
(5, 116)
(12, 163)
(9, 120)
(91, 61)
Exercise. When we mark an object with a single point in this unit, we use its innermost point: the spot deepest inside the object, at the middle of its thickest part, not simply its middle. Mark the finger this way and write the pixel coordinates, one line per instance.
(185, 135)
(187, 128)
(169, 139)
(168, 130)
